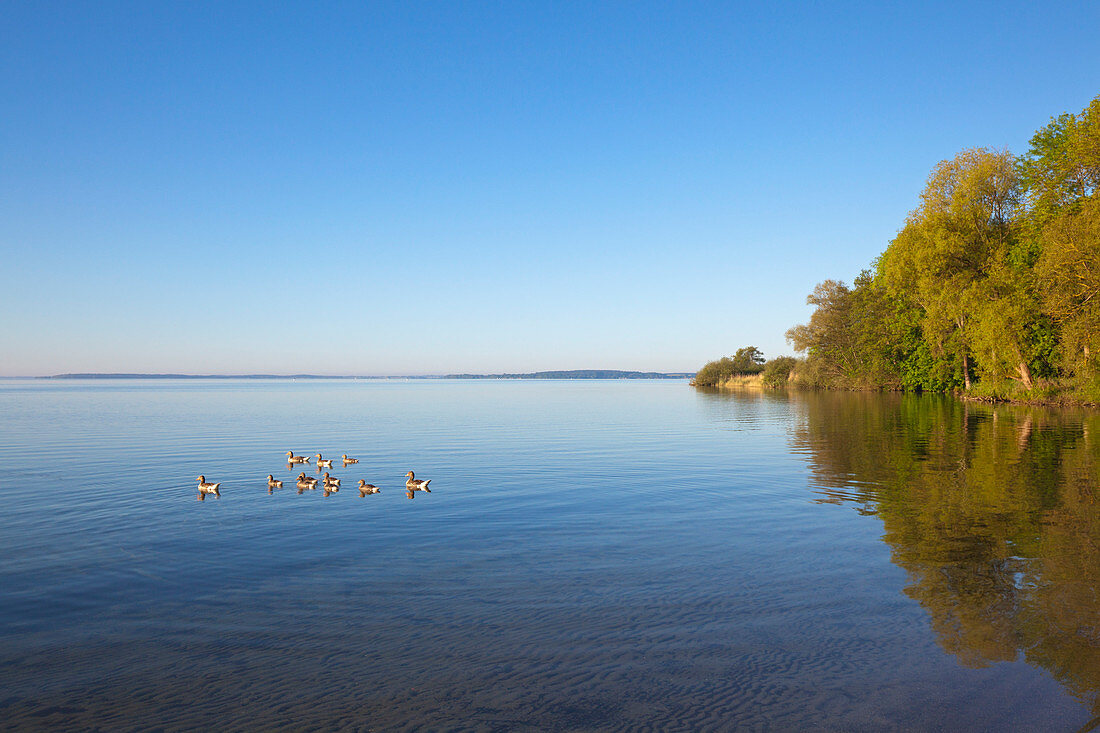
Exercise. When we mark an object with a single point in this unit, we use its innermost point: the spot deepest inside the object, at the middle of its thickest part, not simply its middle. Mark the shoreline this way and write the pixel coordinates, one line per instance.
(755, 383)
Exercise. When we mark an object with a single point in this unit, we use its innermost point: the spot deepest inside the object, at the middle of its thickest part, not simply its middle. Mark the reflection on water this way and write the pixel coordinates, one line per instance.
(606, 556)
(992, 512)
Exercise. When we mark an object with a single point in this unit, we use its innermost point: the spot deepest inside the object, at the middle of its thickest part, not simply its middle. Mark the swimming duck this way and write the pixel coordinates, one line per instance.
(349, 460)
(309, 481)
(365, 488)
(330, 481)
(273, 483)
(329, 489)
(323, 462)
(303, 485)
(208, 488)
(291, 458)
(203, 484)
(415, 484)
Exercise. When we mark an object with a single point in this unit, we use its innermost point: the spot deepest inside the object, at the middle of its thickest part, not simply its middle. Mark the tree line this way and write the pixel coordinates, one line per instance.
(991, 287)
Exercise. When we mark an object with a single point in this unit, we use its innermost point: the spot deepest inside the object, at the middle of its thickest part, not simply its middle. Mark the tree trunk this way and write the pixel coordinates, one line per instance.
(966, 370)
(1025, 374)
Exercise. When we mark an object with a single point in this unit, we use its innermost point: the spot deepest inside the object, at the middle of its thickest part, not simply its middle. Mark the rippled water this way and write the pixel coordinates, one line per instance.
(593, 556)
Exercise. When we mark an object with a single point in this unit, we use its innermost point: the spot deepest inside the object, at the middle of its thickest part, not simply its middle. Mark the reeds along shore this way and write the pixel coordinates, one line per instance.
(742, 381)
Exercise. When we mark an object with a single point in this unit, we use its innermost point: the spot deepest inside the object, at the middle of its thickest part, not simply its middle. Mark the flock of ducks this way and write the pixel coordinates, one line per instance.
(329, 484)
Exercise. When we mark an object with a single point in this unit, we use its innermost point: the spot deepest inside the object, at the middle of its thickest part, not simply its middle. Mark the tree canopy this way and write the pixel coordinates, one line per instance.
(992, 284)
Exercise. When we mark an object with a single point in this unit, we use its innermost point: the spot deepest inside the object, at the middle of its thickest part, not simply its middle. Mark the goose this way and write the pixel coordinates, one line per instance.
(365, 488)
(349, 460)
(208, 488)
(323, 462)
(203, 484)
(415, 484)
(330, 481)
(273, 483)
(291, 458)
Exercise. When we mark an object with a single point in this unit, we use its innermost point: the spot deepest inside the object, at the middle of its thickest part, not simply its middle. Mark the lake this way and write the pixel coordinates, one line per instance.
(593, 555)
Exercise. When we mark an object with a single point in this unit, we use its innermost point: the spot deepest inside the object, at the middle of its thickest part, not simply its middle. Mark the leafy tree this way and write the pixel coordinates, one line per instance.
(1061, 174)
(1062, 166)
(953, 260)
(851, 339)
(748, 360)
(995, 275)
(828, 340)
(1069, 273)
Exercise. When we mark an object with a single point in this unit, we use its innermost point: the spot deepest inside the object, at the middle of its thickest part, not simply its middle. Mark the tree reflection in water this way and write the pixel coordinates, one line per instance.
(992, 511)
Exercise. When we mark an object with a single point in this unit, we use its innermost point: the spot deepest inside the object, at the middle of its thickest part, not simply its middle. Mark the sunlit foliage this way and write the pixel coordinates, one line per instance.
(746, 360)
(992, 285)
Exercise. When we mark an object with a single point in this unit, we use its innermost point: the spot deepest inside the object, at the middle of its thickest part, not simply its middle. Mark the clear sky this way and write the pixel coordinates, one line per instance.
(407, 188)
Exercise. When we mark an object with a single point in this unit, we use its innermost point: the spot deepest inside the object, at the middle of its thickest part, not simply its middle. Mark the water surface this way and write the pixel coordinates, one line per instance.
(594, 555)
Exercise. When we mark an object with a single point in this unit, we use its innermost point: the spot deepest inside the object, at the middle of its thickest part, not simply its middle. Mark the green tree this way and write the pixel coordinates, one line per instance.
(828, 340)
(1062, 165)
(953, 260)
(748, 360)
(995, 276)
(852, 338)
(1069, 273)
(1061, 176)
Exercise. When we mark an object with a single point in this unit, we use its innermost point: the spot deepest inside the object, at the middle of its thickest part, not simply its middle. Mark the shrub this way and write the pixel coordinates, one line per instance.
(747, 360)
(778, 371)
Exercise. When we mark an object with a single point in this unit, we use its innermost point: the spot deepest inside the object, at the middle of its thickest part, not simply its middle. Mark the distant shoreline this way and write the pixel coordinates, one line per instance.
(567, 374)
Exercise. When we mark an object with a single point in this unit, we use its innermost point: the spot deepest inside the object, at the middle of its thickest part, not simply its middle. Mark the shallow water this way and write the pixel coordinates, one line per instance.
(593, 555)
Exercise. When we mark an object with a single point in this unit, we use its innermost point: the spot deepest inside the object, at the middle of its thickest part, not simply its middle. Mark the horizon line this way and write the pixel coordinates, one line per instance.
(306, 375)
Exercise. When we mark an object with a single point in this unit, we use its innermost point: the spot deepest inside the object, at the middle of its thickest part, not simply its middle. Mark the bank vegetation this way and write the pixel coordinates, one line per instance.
(990, 290)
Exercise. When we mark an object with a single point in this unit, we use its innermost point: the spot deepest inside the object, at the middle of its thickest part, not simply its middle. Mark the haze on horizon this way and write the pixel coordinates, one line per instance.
(439, 188)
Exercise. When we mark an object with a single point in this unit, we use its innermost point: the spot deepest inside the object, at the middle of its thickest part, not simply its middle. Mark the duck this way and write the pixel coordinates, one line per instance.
(329, 489)
(323, 462)
(330, 481)
(309, 481)
(365, 488)
(349, 460)
(291, 458)
(303, 485)
(204, 484)
(208, 488)
(273, 483)
(415, 484)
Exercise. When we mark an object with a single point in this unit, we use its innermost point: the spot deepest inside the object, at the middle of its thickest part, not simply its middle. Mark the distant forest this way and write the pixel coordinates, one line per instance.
(991, 288)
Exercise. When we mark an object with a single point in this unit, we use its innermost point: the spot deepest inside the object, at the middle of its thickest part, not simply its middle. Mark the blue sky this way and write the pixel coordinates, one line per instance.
(406, 188)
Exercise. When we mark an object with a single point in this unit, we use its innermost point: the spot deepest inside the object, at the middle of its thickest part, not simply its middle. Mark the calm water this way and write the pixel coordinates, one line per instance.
(593, 555)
